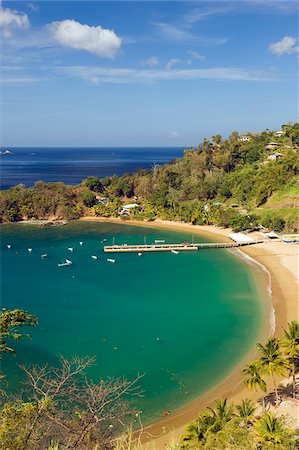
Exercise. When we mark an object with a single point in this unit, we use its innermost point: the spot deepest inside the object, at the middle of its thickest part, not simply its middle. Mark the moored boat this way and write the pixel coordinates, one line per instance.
(67, 262)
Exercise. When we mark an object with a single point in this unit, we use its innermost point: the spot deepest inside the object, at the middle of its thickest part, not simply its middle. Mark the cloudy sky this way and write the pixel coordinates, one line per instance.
(145, 73)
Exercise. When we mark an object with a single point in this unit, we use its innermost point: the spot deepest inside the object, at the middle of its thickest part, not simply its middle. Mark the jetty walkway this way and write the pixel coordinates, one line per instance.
(184, 247)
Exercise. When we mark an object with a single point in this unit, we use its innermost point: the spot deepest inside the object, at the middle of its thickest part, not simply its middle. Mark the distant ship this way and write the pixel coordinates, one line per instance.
(5, 152)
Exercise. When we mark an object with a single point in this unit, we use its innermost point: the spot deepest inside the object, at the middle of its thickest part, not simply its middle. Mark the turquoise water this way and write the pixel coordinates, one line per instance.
(182, 320)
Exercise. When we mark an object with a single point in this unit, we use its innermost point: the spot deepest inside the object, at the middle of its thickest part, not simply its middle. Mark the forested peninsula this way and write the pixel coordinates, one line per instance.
(239, 182)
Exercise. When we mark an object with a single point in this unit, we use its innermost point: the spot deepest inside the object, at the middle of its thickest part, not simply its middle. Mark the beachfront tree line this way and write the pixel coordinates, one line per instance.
(238, 427)
(62, 409)
(222, 182)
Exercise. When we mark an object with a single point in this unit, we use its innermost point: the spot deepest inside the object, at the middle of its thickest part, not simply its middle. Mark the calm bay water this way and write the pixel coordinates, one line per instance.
(72, 165)
(184, 321)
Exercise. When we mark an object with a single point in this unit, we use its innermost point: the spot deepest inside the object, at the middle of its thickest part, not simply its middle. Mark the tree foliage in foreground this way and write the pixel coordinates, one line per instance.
(66, 408)
(10, 323)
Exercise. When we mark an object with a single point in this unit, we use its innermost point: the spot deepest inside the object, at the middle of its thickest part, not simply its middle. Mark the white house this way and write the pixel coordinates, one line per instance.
(275, 156)
(245, 138)
(279, 133)
(126, 208)
(272, 145)
(103, 200)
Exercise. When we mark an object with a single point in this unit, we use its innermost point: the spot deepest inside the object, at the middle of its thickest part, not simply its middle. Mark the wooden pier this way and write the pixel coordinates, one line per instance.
(125, 248)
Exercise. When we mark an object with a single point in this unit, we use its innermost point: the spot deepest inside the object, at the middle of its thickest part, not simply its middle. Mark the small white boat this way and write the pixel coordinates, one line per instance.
(94, 257)
(81, 243)
(8, 246)
(139, 254)
(5, 152)
(70, 249)
(67, 262)
(111, 260)
(103, 240)
(29, 250)
(159, 241)
(175, 252)
(43, 256)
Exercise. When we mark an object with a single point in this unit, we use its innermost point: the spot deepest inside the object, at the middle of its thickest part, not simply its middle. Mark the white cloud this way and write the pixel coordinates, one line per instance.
(33, 7)
(175, 134)
(10, 19)
(172, 62)
(195, 55)
(98, 40)
(286, 45)
(195, 15)
(102, 75)
(183, 33)
(151, 61)
(173, 33)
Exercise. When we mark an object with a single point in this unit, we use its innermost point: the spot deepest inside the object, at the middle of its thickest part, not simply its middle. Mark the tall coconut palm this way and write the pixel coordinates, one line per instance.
(272, 362)
(246, 410)
(291, 346)
(254, 379)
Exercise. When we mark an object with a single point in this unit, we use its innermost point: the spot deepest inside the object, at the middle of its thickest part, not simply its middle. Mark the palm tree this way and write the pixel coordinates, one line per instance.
(291, 345)
(272, 361)
(272, 430)
(196, 431)
(210, 421)
(246, 410)
(254, 379)
(222, 414)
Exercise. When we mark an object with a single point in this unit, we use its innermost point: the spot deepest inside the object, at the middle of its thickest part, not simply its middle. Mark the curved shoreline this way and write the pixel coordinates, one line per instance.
(283, 289)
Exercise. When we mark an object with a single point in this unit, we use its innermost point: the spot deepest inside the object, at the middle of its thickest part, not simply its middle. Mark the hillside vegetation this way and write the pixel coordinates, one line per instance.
(239, 182)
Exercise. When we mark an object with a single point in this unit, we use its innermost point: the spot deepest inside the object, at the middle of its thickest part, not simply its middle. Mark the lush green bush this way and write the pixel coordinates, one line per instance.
(273, 221)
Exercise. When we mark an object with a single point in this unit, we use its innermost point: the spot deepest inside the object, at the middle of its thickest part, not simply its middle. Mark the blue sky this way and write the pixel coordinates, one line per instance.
(145, 73)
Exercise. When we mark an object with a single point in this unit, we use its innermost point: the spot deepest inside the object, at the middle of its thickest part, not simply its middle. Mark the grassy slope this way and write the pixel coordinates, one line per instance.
(284, 202)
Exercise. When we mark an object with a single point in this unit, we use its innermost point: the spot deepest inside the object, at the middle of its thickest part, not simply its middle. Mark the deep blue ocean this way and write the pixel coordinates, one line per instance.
(71, 165)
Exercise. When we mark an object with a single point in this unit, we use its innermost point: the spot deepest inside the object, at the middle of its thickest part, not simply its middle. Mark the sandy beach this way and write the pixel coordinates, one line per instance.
(280, 261)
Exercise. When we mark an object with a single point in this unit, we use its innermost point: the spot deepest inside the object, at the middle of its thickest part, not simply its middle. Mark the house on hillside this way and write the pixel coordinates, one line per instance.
(272, 145)
(244, 138)
(103, 200)
(279, 133)
(126, 208)
(275, 156)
